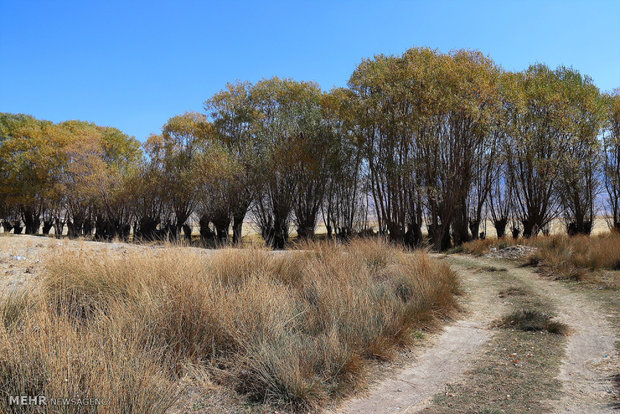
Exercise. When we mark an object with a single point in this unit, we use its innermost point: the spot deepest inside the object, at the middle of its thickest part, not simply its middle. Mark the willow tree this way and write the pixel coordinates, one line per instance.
(389, 103)
(120, 157)
(148, 198)
(31, 157)
(77, 184)
(312, 152)
(175, 151)
(611, 158)
(345, 208)
(92, 184)
(551, 145)
(427, 124)
(499, 201)
(467, 135)
(288, 127)
(578, 182)
(233, 116)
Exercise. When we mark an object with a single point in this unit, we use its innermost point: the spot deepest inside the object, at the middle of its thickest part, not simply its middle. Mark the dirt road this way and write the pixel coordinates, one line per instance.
(447, 375)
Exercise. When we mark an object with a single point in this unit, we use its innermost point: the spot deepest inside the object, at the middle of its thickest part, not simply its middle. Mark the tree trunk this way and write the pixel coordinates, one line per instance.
(206, 235)
(413, 235)
(146, 229)
(59, 227)
(75, 228)
(222, 225)
(305, 232)
(47, 226)
(500, 227)
(7, 226)
(31, 221)
(474, 227)
(459, 224)
(395, 232)
(329, 231)
(529, 228)
(279, 234)
(187, 233)
(237, 228)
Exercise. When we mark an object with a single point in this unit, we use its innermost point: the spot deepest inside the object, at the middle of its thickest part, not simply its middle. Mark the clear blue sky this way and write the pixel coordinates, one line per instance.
(134, 64)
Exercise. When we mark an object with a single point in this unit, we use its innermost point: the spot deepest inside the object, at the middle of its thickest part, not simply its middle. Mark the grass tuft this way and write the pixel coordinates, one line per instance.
(532, 321)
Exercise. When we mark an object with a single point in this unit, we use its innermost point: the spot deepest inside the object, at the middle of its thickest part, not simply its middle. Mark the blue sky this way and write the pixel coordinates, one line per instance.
(133, 65)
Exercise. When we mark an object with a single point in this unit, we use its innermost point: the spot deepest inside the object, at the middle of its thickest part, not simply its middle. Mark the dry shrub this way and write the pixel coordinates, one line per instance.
(532, 321)
(49, 356)
(288, 328)
(571, 257)
(479, 247)
(512, 291)
(566, 257)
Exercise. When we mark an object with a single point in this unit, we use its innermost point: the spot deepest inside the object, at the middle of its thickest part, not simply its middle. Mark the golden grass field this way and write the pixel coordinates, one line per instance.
(137, 325)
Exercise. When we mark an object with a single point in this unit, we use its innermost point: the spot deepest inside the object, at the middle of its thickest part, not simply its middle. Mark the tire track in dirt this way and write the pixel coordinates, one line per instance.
(591, 358)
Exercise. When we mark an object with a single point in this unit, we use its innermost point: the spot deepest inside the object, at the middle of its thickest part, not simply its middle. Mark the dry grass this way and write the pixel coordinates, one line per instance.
(570, 257)
(291, 329)
(529, 320)
(565, 257)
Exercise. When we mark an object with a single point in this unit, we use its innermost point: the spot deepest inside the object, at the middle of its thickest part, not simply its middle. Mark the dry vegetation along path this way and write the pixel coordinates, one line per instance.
(447, 356)
(451, 374)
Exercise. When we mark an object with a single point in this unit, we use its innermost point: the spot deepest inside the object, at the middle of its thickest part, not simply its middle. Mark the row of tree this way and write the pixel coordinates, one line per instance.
(442, 140)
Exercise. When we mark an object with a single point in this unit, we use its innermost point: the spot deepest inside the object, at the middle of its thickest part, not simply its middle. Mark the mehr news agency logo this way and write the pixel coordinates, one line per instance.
(42, 400)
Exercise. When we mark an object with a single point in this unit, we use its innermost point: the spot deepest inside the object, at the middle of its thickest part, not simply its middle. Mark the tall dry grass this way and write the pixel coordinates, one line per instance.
(293, 329)
(567, 257)
(573, 257)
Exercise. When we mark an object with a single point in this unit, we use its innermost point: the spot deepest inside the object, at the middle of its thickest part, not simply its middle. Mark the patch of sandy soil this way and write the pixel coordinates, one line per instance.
(22, 257)
(444, 358)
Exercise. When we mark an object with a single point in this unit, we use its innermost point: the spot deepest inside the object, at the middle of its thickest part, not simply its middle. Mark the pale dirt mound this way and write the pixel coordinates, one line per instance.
(518, 251)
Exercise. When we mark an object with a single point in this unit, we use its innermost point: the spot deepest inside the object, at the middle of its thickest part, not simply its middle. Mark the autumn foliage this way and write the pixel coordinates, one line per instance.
(425, 142)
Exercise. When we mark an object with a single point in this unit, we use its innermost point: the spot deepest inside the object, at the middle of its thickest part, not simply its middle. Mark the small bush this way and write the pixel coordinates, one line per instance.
(479, 247)
(532, 320)
(512, 291)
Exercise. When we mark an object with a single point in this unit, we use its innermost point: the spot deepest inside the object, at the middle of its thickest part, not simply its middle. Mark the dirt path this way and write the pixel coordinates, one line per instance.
(591, 357)
(586, 369)
(446, 357)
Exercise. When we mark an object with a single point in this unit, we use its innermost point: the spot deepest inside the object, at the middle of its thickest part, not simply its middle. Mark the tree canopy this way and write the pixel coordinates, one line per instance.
(421, 141)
